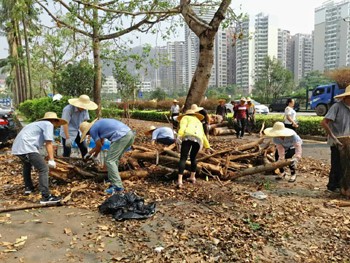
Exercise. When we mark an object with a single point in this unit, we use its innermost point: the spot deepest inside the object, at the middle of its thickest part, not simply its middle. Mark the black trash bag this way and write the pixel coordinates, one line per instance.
(127, 206)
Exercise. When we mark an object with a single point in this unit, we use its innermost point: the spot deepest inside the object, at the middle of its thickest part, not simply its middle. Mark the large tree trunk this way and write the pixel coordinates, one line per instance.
(26, 41)
(200, 79)
(97, 64)
(206, 33)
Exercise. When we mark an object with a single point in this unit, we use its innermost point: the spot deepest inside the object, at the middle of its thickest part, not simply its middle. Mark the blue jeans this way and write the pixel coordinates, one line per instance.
(115, 152)
(335, 174)
(39, 163)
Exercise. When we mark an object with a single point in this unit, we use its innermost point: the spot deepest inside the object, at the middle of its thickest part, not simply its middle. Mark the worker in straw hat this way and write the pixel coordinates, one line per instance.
(75, 113)
(337, 123)
(240, 115)
(26, 147)
(174, 112)
(288, 145)
(192, 138)
(163, 135)
(221, 109)
(121, 138)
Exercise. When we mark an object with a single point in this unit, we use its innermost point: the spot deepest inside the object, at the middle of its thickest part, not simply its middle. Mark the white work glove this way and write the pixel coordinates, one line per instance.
(69, 143)
(52, 163)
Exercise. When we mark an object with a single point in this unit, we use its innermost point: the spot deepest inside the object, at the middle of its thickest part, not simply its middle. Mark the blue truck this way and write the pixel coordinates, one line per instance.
(322, 97)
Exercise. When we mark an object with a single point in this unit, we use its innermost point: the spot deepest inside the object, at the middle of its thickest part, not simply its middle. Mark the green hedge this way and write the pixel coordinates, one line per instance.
(35, 109)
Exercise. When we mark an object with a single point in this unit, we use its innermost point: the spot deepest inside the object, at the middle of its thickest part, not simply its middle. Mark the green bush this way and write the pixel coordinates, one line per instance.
(36, 108)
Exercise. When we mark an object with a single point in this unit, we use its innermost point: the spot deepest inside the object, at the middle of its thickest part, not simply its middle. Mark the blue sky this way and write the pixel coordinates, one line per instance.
(297, 16)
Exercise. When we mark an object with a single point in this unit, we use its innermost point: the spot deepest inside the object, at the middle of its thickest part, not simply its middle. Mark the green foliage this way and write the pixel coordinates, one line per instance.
(77, 79)
(308, 125)
(273, 81)
(158, 94)
(314, 79)
(36, 108)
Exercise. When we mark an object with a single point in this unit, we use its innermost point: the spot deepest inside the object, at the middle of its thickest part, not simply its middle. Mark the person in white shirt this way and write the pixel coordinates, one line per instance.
(290, 115)
(163, 135)
(174, 112)
(26, 147)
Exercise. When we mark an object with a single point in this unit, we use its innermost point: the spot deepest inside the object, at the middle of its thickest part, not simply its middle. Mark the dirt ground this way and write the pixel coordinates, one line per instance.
(210, 221)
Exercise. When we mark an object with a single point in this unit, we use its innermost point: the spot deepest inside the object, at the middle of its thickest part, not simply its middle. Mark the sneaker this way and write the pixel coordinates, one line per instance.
(28, 190)
(292, 178)
(51, 199)
(114, 189)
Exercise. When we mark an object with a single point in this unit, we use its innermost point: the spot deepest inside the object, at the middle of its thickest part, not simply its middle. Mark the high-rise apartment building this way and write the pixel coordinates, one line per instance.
(284, 53)
(244, 57)
(302, 56)
(265, 41)
(176, 69)
(331, 36)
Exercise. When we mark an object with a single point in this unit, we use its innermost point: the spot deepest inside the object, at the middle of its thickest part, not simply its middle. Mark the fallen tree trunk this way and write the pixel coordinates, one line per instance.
(259, 169)
(223, 131)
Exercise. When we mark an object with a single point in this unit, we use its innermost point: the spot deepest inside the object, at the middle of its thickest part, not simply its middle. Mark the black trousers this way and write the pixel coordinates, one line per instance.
(165, 141)
(289, 126)
(82, 147)
(240, 127)
(288, 154)
(335, 174)
(192, 148)
(175, 123)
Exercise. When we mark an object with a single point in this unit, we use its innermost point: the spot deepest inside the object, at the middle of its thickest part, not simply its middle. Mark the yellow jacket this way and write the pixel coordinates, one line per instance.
(191, 126)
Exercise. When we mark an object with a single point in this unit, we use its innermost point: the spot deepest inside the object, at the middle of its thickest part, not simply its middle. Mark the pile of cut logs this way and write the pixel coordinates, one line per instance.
(226, 164)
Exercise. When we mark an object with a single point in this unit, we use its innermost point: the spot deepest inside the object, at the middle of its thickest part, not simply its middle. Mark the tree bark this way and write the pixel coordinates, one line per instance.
(97, 63)
(206, 33)
(259, 169)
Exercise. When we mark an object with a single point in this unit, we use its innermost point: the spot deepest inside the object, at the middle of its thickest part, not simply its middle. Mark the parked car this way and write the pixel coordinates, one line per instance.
(8, 130)
(5, 110)
(259, 108)
(281, 103)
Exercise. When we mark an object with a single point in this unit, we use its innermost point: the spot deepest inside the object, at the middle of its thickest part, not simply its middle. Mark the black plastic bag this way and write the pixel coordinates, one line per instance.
(127, 206)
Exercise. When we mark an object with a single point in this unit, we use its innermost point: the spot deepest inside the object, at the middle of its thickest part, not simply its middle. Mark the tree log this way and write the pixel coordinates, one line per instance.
(259, 169)
(223, 131)
(217, 125)
(244, 156)
(25, 207)
(243, 147)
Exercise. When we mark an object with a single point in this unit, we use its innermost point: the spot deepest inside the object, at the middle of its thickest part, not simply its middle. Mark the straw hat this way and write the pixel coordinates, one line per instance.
(53, 116)
(85, 128)
(346, 93)
(83, 102)
(150, 130)
(192, 113)
(221, 100)
(248, 99)
(243, 99)
(195, 108)
(279, 130)
(175, 101)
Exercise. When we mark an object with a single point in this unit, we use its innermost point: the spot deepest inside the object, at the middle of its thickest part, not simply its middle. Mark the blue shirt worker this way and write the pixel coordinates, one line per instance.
(75, 113)
(288, 145)
(121, 138)
(163, 135)
(26, 147)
